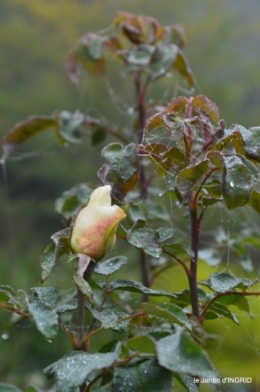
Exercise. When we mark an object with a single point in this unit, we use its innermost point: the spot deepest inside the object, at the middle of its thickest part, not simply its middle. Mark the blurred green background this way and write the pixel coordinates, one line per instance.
(35, 36)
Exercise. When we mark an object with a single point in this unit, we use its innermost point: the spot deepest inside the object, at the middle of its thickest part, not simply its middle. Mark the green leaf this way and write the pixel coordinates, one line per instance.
(165, 233)
(179, 250)
(155, 211)
(136, 213)
(222, 282)
(175, 155)
(198, 331)
(218, 310)
(190, 176)
(84, 287)
(110, 319)
(8, 388)
(106, 379)
(237, 183)
(110, 266)
(254, 200)
(139, 55)
(240, 301)
(96, 48)
(209, 107)
(143, 344)
(216, 158)
(6, 293)
(121, 167)
(71, 200)
(236, 135)
(73, 369)
(251, 167)
(33, 389)
(146, 376)
(182, 299)
(181, 64)
(168, 311)
(67, 304)
(252, 143)
(53, 252)
(162, 59)
(159, 120)
(180, 354)
(45, 317)
(187, 382)
(30, 127)
(21, 299)
(89, 54)
(146, 239)
(99, 134)
(69, 125)
(48, 295)
(136, 287)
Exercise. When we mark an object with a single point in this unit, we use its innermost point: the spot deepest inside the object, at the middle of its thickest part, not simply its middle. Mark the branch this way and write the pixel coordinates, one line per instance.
(89, 332)
(12, 309)
(181, 262)
(194, 231)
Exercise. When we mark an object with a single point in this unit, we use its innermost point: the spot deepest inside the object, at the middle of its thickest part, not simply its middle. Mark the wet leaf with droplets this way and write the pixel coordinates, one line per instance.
(240, 301)
(190, 176)
(254, 200)
(84, 287)
(143, 344)
(209, 107)
(186, 381)
(237, 182)
(110, 318)
(48, 295)
(45, 317)
(168, 311)
(73, 369)
(30, 127)
(226, 281)
(218, 310)
(146, 376)
(180, 354)
(6, 292)
(110, 266)
(120, 169)
(146, 239)
(53, 252)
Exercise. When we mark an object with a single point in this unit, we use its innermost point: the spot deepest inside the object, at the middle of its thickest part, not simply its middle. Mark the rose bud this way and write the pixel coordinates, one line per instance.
(93, 231)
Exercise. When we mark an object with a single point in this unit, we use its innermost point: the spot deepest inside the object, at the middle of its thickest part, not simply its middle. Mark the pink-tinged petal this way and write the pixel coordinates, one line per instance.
(94, 230)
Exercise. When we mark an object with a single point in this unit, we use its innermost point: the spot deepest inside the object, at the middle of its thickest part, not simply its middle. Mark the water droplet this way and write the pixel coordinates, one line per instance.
(5, 336)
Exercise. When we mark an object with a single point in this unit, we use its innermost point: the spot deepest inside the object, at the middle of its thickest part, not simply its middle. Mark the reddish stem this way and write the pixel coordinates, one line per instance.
(195, 232)
(141, 94)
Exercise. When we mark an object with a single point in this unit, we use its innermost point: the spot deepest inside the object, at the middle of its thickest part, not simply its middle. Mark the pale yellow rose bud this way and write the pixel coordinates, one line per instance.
(94, 227)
